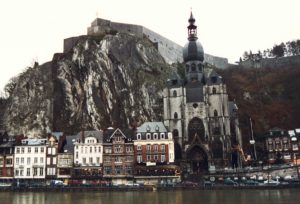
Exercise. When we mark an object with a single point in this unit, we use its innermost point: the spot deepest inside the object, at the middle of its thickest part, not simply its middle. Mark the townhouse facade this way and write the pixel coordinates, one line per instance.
(88, 154)
(7, 157)
(30, 159)
(118, 155)
(282, 145)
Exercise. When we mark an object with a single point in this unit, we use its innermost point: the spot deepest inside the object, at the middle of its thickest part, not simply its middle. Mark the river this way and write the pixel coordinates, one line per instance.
(253, 196)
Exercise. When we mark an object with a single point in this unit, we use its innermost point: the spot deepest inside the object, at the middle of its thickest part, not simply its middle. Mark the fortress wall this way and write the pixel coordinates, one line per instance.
(171, 51)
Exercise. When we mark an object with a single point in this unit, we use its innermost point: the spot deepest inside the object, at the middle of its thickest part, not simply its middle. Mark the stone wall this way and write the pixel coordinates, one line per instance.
(171, 51)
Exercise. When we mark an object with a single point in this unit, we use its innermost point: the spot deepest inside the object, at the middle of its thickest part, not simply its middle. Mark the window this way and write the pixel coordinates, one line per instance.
(42, 149)
(81, 150)
(36, 150)
(118, 169)
(175, 115)
(17, 172)
(163, 158)
(139, 147)
(155, 135)
(85, 150)
(107, 150)
(84, 160)
(29, 149)
(48, 161)
(162, 136)
(95, 149)
(34, 171)
(91, 160)
(99, 149)
(163, 148)
(53, 150)
(76, 155)
(1, 161)
(28, 160)
(98, 160)
(107, 170)
(148, 136)
(35, 160)
(155, 157)
(22, 150)
(139, 158)
(28, 172)
(193, 67)
(41, 160)
(22, 160)
(215, 113)
(138, 136)
(148, 148)
(41, 171)
(9, 161)
(148, 157)
(118, 149)
(174, 93)
(18, 150)
(155, 148)
(91, 149)
(214, 90)
(129, 149)
(17, 160)
(21, 172)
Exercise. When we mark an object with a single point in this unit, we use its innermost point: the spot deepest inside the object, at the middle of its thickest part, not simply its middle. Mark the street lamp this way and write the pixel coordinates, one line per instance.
(252, 141)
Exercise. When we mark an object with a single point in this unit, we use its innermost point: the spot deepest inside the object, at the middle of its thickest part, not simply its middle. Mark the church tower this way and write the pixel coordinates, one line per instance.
(197, 111)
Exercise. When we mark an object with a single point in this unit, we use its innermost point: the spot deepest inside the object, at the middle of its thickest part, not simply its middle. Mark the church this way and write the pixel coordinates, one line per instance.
(197, 111)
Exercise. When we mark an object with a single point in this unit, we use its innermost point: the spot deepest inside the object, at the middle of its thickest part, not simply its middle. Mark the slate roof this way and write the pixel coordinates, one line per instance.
(152, 127)
(107, 134)
(69, 146)
(92, 133)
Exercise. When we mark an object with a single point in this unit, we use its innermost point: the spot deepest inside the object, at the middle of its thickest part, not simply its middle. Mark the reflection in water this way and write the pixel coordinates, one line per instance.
(160, 197)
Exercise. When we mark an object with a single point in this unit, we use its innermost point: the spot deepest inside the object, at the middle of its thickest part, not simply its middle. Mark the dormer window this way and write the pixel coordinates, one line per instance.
(148, 136)
(138, 136)
(162, 135)
(175, 115)
(155, 136)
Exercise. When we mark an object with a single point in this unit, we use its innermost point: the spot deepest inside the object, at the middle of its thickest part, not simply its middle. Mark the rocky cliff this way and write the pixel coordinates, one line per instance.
(112, 80)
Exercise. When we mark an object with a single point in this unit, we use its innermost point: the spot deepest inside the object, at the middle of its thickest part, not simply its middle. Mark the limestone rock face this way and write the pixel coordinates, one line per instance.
(113, 80)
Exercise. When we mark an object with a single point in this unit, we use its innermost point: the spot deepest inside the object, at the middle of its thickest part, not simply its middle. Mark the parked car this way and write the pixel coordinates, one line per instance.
(230, 182)
(251, 183)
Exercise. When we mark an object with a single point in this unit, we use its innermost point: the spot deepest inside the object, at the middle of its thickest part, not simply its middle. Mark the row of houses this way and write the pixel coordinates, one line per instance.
(283, 146)
(116, 155)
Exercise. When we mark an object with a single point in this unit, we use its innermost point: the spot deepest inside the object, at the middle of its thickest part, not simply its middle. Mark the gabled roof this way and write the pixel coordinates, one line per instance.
(109, 133)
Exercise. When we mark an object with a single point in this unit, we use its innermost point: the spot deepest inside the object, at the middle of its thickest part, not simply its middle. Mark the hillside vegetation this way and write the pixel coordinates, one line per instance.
(271, 97)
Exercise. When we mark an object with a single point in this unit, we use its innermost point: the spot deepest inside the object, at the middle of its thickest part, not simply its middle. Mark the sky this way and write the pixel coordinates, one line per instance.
(33, 30)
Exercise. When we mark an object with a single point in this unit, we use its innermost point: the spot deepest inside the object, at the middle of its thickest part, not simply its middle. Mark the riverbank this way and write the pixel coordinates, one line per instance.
(142, 188)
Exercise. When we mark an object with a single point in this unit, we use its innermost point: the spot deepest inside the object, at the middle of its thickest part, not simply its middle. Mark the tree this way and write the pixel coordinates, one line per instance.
(278, 51)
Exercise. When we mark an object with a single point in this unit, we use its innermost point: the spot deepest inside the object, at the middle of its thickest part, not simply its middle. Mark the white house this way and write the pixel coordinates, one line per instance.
(30, 159)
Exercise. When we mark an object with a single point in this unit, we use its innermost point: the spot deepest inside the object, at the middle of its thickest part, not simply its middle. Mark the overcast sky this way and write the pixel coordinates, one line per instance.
(33, 30)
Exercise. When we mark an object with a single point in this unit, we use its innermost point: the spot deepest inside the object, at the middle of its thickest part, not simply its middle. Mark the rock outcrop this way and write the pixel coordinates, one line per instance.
(112, 80)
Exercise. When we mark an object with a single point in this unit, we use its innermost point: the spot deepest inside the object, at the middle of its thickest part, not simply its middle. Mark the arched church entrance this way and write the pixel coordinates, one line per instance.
(198, 160)
(196, 128)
